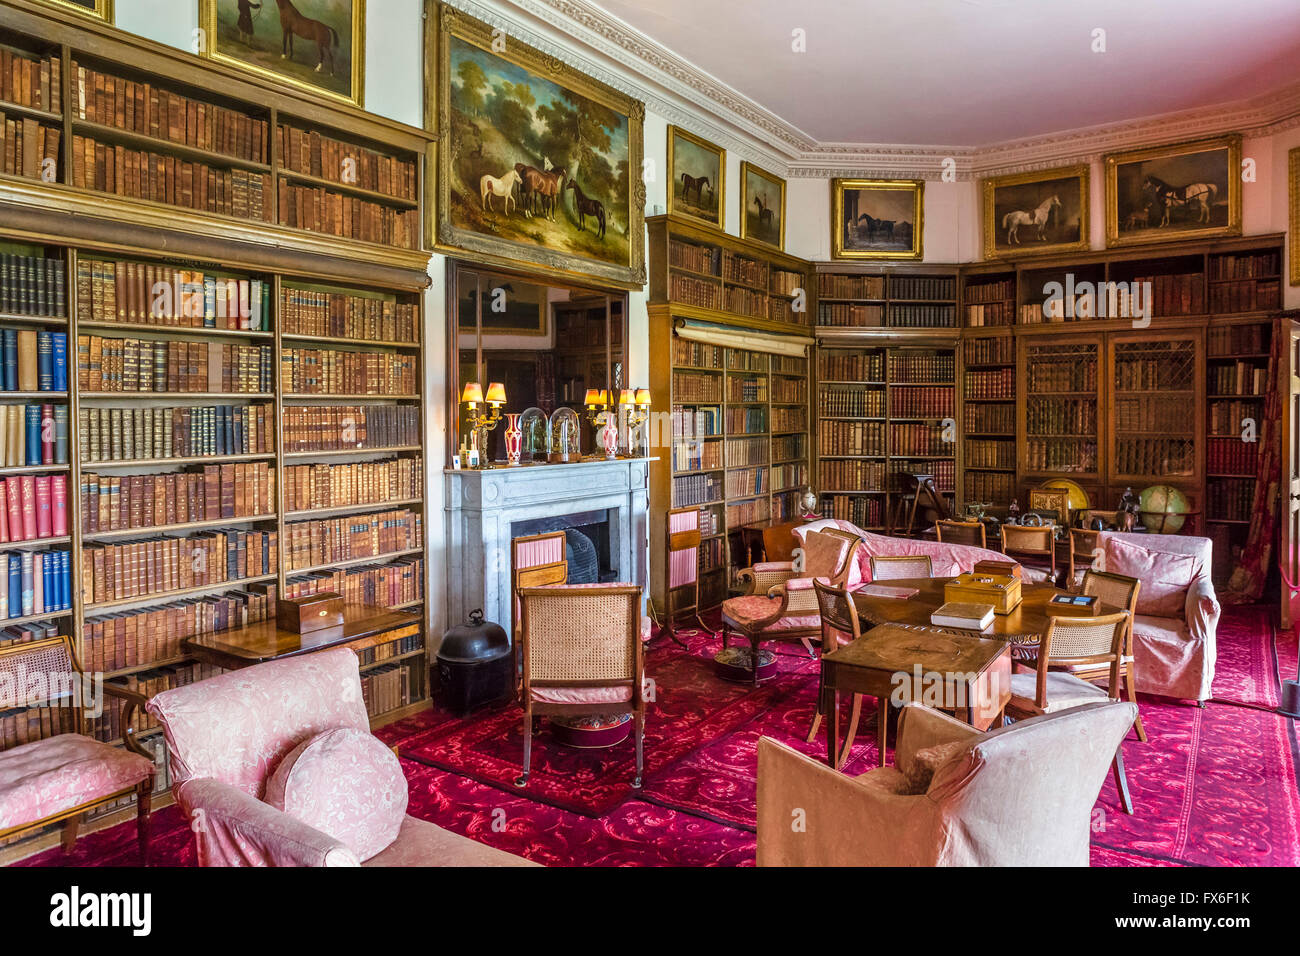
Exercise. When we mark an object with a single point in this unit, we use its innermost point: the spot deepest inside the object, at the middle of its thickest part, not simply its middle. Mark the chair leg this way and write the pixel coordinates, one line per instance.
(753, 644)
(522, 779)
(703, 627)
(1121, 780)
(852, 731)
(143, 803)
(1132, 696)
(726, 635)
(70, 827)
(639, 730)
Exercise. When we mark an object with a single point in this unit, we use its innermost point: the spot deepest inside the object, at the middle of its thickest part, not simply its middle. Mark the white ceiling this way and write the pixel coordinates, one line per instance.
(977, 72)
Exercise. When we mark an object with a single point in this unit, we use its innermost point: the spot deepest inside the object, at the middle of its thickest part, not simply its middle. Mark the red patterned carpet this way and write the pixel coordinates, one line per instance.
(1214, 787)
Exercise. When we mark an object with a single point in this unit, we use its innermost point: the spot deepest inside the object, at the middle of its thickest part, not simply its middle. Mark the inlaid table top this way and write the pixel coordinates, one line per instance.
(891, 648)
(1025, 625)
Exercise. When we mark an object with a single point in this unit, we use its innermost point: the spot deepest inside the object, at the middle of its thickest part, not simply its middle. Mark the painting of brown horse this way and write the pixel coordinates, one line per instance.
(317, 45)
(698, 170)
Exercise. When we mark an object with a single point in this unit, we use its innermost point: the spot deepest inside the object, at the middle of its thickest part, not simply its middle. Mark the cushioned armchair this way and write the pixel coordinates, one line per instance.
(947, 559)
(1177, 610)
(227, 735)
(1018, 796)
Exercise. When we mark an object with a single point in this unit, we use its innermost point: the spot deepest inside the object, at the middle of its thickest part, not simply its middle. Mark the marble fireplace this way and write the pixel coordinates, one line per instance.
(607, 501)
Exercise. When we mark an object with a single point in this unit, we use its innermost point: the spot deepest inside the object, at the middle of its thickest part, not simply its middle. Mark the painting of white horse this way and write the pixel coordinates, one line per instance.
(1174, 192)
(502, 187)
(1013, 220)
(1031, 213)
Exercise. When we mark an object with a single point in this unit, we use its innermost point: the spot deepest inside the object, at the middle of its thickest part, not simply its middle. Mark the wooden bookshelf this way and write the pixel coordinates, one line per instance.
(989, 416)
(738, 444)
(330, 350)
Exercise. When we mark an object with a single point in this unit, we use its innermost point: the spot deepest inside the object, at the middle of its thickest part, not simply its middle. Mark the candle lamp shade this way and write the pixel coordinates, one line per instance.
(592, 398)
(496, 394)
(626, 396)
(473, 394)
(643, 397)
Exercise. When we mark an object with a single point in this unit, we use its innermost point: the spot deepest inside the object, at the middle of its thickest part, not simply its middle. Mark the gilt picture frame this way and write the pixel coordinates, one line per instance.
(877, 218)
(316, 46)
(538, 163)
(1045, 211)
(99, 9)
(697, 178)
(1181, 191)
(762, 206)
(1293, 233)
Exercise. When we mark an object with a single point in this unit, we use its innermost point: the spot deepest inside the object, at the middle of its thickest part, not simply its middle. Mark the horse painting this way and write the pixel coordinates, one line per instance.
(587, 207)
(1202, 195)
(294, 23)
(698, 183)
(539, 189)
(876, 227)
(1013, 220)
(764, 213)
(504, 187)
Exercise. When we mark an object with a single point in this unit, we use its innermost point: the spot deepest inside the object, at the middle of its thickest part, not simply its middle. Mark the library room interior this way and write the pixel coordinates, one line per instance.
(645, 433)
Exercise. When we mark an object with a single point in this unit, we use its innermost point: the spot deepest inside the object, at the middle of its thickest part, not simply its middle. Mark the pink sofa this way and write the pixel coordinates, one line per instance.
(946, 559)
(1177, 613)
(226, 736)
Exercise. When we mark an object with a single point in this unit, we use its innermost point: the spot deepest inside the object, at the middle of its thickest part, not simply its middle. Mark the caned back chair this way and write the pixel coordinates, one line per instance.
(1118, 590)
(889, 567)
(840, 625)
(961, 532)
(1032, 547)
(582, 654)
(536, 560)
(1083, 551)
(683, 591)
(43, 734)
(1067, 643)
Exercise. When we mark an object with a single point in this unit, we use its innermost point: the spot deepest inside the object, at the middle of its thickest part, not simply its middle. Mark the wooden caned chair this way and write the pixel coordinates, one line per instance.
(683, 570)
(1117, 590)
(60, 778)
(890, 567)
(582, 654)
(536, 560)
(961, 532)
(1091, 642)
(1034, 548)
(781, 604)
(1083, 552)
(840, 626)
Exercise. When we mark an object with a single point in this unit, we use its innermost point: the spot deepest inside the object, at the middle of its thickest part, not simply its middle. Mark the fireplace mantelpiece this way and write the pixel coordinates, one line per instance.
(483, 505)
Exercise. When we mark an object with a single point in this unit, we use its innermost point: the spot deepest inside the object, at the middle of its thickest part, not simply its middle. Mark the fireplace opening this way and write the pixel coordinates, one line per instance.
(589, 545)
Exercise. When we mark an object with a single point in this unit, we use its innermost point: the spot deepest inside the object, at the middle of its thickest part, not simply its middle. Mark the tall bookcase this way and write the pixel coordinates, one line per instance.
(731, 397)
(244, 410)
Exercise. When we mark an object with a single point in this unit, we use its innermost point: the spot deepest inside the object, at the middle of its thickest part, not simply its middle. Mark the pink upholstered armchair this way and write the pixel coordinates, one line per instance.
(1177, 611)
(1017, 796)
(946, 558)
(227, 735)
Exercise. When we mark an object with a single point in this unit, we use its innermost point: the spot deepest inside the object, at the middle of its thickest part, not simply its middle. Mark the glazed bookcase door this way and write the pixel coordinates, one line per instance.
(1060, 428)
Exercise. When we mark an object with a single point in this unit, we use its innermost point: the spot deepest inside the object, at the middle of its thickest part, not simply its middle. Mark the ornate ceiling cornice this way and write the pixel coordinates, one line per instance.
(588, 38)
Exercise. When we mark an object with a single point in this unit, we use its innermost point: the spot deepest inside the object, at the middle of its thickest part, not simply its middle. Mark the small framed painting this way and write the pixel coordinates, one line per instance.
(510, 307)
(1293, 234)
(1186, 191)
(1036, 212)
(315, 45)
(762, 206)
(877, 218)
(100, 9)
(697, 172)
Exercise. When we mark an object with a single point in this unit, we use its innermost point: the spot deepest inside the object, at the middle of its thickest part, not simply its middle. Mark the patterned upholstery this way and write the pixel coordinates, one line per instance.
(947, 560)
(46, 777)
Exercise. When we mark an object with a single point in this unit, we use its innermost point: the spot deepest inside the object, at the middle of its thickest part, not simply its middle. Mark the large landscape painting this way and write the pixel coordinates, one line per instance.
(318, 45)
(1192, 190)
(544, 168)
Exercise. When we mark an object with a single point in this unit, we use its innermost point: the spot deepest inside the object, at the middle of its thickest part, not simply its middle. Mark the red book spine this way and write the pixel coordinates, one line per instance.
(13, 496)
(4, 512)
(29, 508)
(59, 501)
(43, 516)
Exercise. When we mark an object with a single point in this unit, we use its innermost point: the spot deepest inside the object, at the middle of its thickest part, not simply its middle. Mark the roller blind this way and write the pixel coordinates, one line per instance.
(796, 345)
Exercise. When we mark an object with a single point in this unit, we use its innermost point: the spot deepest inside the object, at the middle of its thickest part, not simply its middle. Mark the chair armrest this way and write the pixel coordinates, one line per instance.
(1201, 609)
(131, 700)
(763, 577)
(233, 828)
(920, 727)
(811, 815)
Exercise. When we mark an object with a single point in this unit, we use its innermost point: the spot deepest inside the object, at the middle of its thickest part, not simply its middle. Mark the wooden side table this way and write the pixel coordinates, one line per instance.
(970, 676)
(363, 627)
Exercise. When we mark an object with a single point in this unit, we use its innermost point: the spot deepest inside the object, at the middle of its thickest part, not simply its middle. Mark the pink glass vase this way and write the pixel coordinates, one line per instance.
(514, 439)
(609, 436)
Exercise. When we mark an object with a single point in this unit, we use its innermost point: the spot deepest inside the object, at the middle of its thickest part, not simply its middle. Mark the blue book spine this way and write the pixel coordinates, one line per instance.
(27, 583)
(47, 600)
(33, 419)
(15, 586)
(11, 360)
(65, 580)
(60, 361)
(45, 361)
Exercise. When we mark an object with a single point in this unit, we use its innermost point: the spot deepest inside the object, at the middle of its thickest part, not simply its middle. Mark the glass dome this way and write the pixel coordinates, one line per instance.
(536, 440)
(566, 435)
